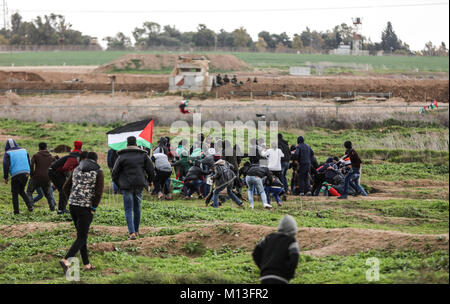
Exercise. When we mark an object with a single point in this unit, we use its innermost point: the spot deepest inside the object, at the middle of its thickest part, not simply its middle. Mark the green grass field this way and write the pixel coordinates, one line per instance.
(185, 242)
(256, 60)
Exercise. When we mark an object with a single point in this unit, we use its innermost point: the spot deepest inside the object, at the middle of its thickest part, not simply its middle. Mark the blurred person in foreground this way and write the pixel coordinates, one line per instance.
(277, 254)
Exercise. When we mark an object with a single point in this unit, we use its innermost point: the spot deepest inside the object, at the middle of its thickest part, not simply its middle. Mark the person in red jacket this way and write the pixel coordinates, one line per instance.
(61, 169)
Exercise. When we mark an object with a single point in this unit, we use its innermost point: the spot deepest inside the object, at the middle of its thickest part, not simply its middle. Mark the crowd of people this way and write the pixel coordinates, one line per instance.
(219, 81)
(212, 171)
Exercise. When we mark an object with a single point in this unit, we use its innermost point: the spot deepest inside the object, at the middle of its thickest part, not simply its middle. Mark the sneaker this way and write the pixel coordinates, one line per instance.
(132, 236)
(302, 194)
(308, 193)
(279, 204)
(160, 195)
(241, 206)
(168, 197)
(60, 212)
(267, 206)
(252, 207)
(52, 208)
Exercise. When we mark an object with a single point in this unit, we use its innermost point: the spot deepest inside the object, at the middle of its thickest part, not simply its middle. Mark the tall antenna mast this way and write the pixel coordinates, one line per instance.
(357, 35)
(5, 14)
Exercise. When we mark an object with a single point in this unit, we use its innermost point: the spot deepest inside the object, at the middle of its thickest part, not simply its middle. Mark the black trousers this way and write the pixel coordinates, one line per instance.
(160, 181)
(18, 184)
(303, 178)
(272, 281)
(82, 219)
(58, 180)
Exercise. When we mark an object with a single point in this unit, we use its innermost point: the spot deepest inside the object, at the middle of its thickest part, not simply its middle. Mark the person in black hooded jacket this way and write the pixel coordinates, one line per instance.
(283, 145)
(132, 172)
(277, 254)
(304, 155)
(194, 180)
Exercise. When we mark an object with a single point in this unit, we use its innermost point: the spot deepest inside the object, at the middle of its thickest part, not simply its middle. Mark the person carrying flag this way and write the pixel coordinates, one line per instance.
(183, 105)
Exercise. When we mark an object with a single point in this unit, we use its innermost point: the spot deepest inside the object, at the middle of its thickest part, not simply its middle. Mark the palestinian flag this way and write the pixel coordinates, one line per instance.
(142, 130)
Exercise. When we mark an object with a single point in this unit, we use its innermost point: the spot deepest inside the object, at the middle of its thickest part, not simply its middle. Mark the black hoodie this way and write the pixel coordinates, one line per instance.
(133, 169)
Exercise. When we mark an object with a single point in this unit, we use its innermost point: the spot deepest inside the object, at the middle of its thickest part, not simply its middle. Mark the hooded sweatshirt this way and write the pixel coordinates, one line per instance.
(277, 254)
(223, 173)
(162, 162)
(40, 162)
(303, 153)
(85, 186)
(16, 159)
(77, 146)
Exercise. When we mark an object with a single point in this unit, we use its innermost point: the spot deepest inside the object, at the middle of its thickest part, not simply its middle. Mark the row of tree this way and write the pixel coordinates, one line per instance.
(54, 30)
(49, 30)
(151, 34)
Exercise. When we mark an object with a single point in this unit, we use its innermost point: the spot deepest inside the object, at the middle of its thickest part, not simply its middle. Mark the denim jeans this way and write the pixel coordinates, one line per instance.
(352, 180)
(40, 194)
(132, 205)
(195, 185)
(275, 192)
(45, 190)
(115, 188)
(216, 192)
(255, 182)
(284, 170)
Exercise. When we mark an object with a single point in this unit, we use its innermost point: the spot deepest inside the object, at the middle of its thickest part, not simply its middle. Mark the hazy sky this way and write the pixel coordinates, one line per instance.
(414, 21)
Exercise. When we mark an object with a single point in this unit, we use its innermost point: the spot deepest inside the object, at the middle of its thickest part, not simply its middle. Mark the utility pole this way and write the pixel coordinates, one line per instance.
(5, 14)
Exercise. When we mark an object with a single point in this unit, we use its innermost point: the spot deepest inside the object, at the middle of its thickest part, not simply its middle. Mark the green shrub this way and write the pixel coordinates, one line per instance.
(194, 248)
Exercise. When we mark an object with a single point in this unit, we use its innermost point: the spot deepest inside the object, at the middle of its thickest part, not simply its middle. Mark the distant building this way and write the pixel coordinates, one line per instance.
(300, 71)
(191, 74)
(342, 50)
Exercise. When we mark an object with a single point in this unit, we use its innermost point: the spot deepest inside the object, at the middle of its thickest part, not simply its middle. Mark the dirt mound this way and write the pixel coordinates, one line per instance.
(312, 241)
(20, 76)
(21, 230)
(410, 90)
(219, 235)
(61, 149)
(167, 61)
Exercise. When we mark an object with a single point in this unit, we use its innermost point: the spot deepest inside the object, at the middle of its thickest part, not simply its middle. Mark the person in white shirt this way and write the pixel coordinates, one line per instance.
(273, 155)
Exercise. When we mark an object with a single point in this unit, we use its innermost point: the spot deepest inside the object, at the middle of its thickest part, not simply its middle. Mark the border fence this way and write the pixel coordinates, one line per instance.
(286, 115)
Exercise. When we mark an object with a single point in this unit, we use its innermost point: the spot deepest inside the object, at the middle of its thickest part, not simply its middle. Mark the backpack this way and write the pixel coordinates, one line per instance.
(70, 164)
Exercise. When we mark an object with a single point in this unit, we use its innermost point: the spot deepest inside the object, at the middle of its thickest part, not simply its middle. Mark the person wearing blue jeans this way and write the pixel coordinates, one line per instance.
(229, 187)
(195, 185)
(352, 177)
(132, 205)
(132, 172)
(40, 194)
(224, 179)
(352, 180)
(276, 188)
(255, 184)
(275, 191)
